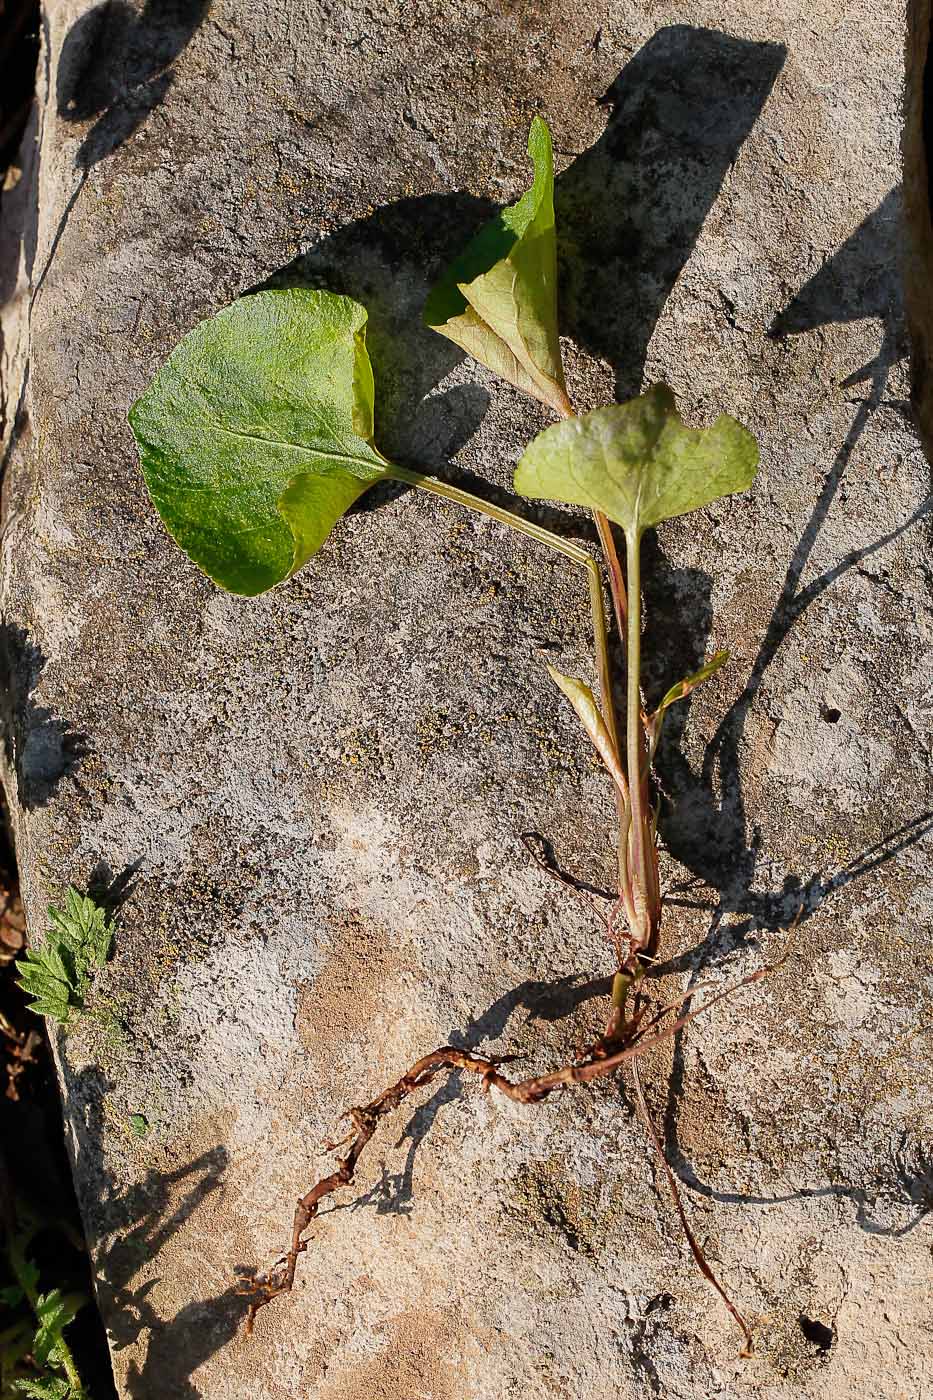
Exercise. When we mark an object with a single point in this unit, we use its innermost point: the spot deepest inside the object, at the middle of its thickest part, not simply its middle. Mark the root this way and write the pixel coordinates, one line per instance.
(365, 1120)
(698, 1256)
(598, 1061)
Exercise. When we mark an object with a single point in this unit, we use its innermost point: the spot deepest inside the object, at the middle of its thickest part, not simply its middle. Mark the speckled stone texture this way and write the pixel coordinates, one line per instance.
(310, 803)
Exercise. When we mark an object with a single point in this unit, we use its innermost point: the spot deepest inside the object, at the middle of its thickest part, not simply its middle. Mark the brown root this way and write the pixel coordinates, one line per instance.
(607, 1055)
(699, 1257)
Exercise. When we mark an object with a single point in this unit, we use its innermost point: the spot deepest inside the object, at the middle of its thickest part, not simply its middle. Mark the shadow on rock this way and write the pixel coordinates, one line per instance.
(115, 68)
(393, 1194)
(139, 1222)
(630, 209)
(126, 1230)
(40, 748)
(859, 280)
(178, 1347)
(387, 262)
(112, 889)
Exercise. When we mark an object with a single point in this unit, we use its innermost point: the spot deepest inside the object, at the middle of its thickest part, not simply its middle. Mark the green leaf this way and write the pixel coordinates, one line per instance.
(54, 1310)
(139, 1124)
(256, 434)
(58, 1009)
(638, 462)
(38, 975)
(58, 973)
(681, 690)
(51, 994)
(53, 1388)
(50, 965)
(85, 927)
(584, 702)
(498, 300)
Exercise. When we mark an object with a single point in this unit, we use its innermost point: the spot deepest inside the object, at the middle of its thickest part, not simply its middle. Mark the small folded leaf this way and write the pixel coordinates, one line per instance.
(498, 300)
(681, 690)
(638, 462)
(256, 435)
(584, 702)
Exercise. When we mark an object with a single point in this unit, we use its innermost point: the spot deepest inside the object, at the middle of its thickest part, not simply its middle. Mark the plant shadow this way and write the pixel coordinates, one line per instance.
(127, 1228)
(630, 209)
(704, 821)
(40, 748)
(110, 889)
(115, 68)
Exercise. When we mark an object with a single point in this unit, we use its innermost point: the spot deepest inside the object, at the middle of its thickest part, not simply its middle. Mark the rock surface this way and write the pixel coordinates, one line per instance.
(310, 803)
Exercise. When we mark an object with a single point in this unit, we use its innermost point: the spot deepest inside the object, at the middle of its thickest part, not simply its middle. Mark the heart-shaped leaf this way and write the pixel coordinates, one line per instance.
(257, 434)
(638, 462)
(498, 301)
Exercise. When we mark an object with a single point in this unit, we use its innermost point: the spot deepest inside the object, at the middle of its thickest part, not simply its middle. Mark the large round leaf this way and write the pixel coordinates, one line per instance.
(256, 434)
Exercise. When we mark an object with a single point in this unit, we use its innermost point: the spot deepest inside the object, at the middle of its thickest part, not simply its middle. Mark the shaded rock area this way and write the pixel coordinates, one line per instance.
(308, 806)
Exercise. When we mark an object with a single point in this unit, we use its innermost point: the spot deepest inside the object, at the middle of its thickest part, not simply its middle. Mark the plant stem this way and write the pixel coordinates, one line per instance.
(638, 835)
(617, 587)
(63, 1352)
(617, 590)
(574, 552)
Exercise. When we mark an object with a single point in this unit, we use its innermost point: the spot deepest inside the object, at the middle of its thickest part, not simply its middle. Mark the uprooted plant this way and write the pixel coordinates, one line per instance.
(257, 434)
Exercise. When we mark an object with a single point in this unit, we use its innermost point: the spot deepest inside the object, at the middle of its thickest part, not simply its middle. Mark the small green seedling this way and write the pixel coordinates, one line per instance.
(58, 973)
(35, 1358)
(257, 434)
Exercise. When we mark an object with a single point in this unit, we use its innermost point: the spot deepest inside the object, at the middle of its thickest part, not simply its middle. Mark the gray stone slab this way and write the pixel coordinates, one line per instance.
(312, 801)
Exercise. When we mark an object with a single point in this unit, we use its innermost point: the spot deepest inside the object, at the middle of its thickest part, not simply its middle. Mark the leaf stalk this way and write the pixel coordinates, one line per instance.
(436, 487)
